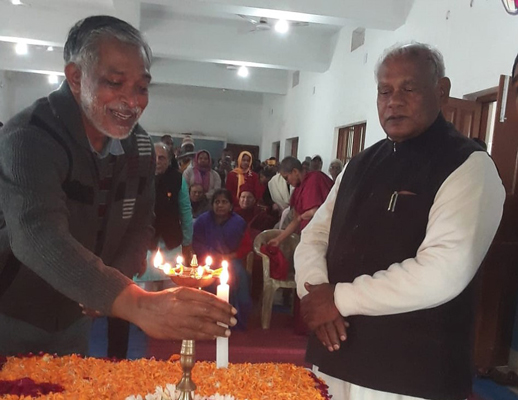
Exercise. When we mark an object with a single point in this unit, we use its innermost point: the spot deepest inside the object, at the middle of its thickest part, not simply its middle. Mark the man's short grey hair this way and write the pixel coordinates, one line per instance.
(414, 49)
(82, 43)
(163, 146)
(337, 161)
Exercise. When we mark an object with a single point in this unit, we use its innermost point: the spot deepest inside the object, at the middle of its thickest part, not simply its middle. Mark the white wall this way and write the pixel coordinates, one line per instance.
(4, 113)
(229, 114)
(21, 90)
(235, 116)
(479, 43)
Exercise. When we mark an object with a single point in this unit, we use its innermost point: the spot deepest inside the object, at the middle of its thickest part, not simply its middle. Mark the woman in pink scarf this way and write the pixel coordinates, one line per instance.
(243, 174)
(202, 174)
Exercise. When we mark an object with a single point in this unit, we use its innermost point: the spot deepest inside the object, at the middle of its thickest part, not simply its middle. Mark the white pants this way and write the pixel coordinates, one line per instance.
(341, 390)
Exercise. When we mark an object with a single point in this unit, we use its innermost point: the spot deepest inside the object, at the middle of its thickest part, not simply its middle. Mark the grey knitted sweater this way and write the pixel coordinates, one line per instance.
(49, 198)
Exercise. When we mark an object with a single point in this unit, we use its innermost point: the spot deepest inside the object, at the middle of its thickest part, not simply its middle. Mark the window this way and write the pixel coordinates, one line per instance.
(351, 140)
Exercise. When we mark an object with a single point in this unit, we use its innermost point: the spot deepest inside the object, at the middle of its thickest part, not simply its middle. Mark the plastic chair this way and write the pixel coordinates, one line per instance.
(270, 285)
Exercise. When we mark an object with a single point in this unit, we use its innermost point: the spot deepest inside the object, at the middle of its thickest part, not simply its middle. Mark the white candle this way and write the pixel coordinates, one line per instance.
(222, 342)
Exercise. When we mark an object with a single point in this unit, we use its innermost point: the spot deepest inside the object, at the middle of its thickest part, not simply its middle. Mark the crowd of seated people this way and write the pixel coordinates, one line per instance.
(232, 201)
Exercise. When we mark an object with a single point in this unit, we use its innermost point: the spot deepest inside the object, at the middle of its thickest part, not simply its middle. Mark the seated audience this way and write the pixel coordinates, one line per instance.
(316, 163)
(224, 165)
(186, 153)
(219, 233)
(201, 173)
(271, 162)
(173, 216)
(199, 202)
(335, 168)
(173, 235)
(168, 141)
(264, 198)
(306, 165)
(242, 174)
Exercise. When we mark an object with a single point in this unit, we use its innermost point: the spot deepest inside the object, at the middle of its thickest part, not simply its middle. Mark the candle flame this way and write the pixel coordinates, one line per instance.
(167, 268)
(179, 260)
(208, 261)
(199, 272)
(223, 278)
(158, 260)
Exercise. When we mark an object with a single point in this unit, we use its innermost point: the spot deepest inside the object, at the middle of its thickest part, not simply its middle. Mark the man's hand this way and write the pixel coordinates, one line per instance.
(274, 242)
(332, 333)
(174, 314)
(187, 252)
(318, 306)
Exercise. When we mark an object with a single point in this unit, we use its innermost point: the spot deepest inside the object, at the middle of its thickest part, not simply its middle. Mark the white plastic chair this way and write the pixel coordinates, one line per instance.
(270, 285)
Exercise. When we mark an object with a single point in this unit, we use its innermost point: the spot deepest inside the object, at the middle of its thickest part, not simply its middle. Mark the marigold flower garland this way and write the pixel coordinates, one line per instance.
(92, 378)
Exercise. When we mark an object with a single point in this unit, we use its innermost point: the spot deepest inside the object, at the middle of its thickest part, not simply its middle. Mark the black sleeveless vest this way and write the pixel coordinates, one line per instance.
(167, 220)
(425, 353)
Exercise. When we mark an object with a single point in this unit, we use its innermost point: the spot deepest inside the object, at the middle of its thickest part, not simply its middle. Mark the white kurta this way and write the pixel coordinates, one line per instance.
(462, 223)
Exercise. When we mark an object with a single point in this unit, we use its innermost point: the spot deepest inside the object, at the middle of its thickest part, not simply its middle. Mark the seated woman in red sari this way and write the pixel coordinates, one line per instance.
(243, 174)
(256, 217)
(220, 233)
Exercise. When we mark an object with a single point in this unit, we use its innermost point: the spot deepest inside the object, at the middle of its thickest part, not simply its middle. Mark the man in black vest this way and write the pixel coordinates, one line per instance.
(515, 79)
(396, 244)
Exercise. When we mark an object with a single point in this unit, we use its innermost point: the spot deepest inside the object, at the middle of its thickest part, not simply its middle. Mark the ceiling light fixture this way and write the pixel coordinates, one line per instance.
(16, 2)
(21, 48)
(511, 6)
(53, 79)
(242, 71)
(282, 26)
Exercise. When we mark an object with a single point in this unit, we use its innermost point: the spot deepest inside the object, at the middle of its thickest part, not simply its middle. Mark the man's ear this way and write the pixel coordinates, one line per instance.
(73, 75)
(444, 86)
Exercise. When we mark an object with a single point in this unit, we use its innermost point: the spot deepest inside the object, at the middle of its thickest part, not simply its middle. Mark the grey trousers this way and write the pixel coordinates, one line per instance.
(19, 337)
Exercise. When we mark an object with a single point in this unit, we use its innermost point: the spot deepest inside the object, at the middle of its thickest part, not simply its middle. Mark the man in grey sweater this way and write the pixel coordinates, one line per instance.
(76, 206)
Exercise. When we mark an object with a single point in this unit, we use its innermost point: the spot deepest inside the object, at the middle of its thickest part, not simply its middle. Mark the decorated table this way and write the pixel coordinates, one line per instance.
(73, 377)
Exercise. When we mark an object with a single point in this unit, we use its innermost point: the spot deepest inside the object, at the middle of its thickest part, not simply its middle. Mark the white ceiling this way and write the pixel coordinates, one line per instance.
(194, 40)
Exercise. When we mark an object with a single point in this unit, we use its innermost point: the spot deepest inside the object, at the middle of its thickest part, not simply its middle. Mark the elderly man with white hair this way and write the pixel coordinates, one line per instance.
(385, 267)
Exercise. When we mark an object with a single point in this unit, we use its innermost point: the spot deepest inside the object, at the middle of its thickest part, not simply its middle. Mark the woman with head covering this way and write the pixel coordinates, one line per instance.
(243, 174)
(201, 173)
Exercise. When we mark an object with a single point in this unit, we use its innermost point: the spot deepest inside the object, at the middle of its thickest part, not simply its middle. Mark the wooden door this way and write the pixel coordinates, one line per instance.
(465, 115)
(294, 147)
(497, 279)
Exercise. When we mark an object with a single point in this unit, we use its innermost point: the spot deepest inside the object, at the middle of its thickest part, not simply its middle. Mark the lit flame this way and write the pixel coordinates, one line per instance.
(223, 278)
(179, 260)
(199, 272)
(208, 261)
(167, 268)
(158, 260)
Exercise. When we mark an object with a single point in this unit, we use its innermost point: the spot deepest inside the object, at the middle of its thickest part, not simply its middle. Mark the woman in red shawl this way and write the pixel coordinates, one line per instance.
(243, 174)
(202, 174)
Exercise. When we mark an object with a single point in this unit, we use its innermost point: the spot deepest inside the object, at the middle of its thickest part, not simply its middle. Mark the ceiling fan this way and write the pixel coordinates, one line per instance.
(263, 24)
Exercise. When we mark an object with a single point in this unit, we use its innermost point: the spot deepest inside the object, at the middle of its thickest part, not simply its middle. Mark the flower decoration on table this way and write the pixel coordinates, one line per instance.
(93, 378)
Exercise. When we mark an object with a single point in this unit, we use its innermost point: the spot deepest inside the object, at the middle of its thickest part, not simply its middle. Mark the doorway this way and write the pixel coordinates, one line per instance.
(493, 118)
